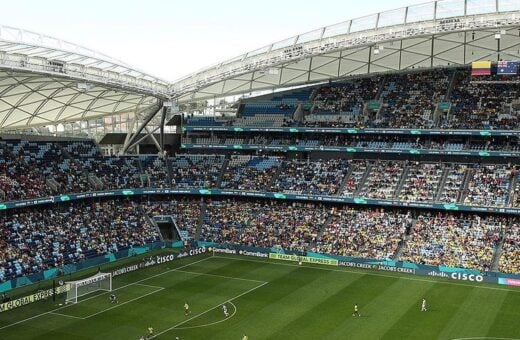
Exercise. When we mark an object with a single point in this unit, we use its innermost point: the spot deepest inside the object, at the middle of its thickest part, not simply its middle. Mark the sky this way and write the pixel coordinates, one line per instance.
(171, 39)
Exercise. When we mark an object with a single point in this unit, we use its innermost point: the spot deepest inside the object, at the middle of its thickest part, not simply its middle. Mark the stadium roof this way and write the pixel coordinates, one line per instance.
(44, 80)
(432, 34)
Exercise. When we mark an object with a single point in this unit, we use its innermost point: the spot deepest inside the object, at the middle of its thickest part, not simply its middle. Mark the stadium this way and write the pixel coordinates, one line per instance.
(358, 181)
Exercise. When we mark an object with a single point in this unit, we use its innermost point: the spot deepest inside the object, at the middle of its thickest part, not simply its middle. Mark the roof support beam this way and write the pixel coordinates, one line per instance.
(131, 137)
(148, 134)
(163, 119)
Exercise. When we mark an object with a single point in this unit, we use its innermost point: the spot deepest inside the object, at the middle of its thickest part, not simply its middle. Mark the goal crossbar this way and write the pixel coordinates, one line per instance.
(99, 281)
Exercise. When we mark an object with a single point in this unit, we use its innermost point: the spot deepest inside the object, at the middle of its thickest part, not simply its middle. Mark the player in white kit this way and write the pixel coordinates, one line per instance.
(224, 309)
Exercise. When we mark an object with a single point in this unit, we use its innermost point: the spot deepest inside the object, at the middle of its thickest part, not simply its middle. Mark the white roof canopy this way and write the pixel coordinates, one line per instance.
(433, 34)
(31, 99)
(44, 80)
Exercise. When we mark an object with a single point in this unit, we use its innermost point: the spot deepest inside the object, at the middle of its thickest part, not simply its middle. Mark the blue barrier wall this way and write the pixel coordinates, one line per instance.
(88, 263)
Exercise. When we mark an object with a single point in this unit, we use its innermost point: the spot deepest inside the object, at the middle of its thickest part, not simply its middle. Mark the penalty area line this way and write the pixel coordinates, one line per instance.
(209, 310)
(124, 303)
(130, 284)
(67, 316)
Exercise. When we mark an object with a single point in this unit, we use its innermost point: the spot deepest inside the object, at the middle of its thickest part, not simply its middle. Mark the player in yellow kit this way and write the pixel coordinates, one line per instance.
(356, 310)
(187, 310)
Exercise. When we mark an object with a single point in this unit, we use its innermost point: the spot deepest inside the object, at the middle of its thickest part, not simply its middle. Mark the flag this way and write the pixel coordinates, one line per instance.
(507, 67)
(481, 68)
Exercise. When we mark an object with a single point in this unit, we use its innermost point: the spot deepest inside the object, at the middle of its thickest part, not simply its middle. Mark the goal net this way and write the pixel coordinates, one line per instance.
(76, 289)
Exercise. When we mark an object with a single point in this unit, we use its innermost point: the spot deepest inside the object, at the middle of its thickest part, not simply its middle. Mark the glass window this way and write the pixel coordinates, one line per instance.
(390, 18)
(283, 43)
(508, 5)
(480, 6)
(309, 36)
(450, 8)
(364, 23)
(421, 12)
(337, 29)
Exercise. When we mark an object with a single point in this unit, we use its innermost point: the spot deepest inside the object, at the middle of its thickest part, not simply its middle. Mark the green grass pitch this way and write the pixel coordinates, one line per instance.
(273, 300)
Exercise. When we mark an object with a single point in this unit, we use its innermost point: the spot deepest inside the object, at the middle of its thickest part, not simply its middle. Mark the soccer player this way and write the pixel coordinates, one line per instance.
(224, 309)
(245, 337)
(187, 310)
(113, 298)
(356, 310)
(423, 306)
(150, 332)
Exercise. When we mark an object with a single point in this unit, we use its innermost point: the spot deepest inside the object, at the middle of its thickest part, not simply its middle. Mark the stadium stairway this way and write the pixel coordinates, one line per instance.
(363, 180)
(402, 244)
(169, 169)
(270, 186)
(442, 183)
(222, 172)
(145, 179)
(451, 85)
(402, 180)
(151, 221)
(381, 87)
(511, 194)
(140, 166)
(198, 231)
(345, 179)
(400, 248)
(464, 191)
(497, 254)
(321, 230)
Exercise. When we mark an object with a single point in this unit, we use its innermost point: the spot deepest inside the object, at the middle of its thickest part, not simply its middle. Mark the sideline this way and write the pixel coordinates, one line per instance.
(367, 272)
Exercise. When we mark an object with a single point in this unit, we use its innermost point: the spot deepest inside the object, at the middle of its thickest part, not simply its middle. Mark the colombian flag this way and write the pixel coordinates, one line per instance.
(481, 68)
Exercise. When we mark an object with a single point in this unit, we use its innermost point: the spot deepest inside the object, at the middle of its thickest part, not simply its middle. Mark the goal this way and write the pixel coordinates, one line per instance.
(76, 289)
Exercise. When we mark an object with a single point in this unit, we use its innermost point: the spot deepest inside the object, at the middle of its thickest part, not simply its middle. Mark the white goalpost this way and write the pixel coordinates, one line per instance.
(76, 289)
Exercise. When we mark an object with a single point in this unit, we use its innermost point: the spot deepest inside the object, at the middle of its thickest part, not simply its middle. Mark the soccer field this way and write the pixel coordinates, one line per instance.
(274, 300)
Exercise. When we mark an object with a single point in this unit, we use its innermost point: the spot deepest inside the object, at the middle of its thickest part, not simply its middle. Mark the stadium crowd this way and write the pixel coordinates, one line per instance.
(268, 224)
(409, 100)
(382, 180)
(321, 177)
(422, 182)
(489, 185)
(481, 105)
(255, 173)
(45, 237)
(466, 241)
(402, 101)
(369, 233)
(510, 260)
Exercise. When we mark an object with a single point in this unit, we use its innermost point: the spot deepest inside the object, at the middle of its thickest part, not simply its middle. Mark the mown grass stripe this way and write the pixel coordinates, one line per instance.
(443, 302)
